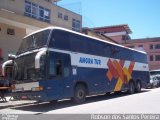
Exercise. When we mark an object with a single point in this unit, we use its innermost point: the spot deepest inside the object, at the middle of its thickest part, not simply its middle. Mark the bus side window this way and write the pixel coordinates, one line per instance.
(66, 71)
(59, 67)
(52, 70)
(55, 68)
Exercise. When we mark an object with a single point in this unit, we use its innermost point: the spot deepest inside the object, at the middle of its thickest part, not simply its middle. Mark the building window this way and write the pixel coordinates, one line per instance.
(10, 31)
(48, 0)
(151, 58)
(41, 13)
(59, 15)
(34, 10)
(157, 46)
(157, 57)
(140, 45)
(76, 25)
(101, 32)
(130, 46)
(27, 8)
(123, 37)
(47, 15)
(151, 46)
(126, 37)
(65, 17)
(37, 12)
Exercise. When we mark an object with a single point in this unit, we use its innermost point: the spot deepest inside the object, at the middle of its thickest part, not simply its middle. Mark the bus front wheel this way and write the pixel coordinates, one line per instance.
(79, 94)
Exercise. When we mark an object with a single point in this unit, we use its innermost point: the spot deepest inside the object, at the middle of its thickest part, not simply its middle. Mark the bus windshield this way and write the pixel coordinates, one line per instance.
(155, 72)
(34, 41)
(24, 68)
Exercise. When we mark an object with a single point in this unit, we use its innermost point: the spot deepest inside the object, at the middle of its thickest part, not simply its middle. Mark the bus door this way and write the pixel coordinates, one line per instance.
(59, 82)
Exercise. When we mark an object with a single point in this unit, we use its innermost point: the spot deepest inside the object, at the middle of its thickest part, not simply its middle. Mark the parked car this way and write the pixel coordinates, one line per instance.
(154, 81)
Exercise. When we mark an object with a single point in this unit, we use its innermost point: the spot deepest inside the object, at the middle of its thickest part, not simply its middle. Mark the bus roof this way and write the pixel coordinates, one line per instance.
(155, 70)
(64, 29)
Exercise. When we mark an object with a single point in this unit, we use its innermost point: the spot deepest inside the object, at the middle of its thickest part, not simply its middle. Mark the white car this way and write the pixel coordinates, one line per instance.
(154, 81)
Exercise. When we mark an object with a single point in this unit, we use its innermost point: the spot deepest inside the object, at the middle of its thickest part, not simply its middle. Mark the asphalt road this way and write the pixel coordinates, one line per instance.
(148, 101)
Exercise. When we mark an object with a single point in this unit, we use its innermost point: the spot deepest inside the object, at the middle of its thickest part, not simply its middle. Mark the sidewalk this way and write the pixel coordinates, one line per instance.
(13, 103)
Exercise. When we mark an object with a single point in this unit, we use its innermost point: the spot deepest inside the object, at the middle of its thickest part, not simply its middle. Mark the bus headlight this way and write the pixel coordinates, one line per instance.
(40, 88)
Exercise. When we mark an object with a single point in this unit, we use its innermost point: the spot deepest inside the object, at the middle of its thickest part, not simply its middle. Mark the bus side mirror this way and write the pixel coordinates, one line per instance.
(11, 57)
(4, 65)
(38, 57)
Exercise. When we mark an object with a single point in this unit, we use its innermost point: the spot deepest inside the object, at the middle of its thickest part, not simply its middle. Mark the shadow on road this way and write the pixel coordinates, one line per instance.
(46, 107)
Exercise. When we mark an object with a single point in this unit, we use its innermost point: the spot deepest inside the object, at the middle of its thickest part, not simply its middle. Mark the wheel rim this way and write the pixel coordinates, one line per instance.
(138, 86)
(80, 94)
(131, 88)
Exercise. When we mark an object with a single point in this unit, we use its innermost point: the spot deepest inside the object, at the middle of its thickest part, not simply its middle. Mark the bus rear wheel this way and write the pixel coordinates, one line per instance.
(138, 87)
(79, 94)
(131, 89)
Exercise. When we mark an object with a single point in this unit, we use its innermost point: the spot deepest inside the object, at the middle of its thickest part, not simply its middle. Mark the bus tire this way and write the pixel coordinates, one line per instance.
(138, 87)
(131, 89)
(107, 93)
(79, 94)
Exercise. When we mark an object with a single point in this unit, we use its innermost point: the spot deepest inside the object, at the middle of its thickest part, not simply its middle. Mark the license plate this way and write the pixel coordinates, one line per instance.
(24, 97)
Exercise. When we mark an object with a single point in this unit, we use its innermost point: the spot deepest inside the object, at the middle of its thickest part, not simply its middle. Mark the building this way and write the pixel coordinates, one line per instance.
(120, 33)
(92, 33)
(151, 46)
(21, 17)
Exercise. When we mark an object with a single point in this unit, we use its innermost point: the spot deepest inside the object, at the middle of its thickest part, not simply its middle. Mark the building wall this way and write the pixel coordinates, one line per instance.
(62, 22)
(12, 15)
(1, 57)
(153, 64)
(18, 7)
(92, 33)
(118, 38)
(10, 43)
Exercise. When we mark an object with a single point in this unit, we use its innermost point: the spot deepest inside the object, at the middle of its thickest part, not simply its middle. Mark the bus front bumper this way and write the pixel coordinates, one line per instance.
(38, 96)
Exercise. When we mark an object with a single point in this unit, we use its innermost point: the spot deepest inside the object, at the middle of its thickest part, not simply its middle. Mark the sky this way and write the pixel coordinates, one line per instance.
(142, 16)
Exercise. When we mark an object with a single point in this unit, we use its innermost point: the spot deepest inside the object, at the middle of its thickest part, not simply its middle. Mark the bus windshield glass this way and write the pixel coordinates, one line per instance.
(155, 72)
(34, 41)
